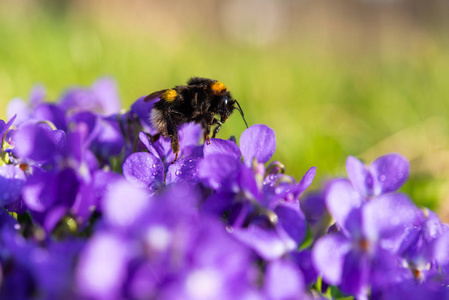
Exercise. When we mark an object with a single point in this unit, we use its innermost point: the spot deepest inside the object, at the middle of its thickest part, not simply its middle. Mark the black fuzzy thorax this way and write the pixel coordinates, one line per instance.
(192, 104)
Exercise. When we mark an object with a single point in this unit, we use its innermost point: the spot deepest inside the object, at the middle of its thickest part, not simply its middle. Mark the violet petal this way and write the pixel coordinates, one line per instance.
(388, 215)
(219, 146)
(341, 199)
(106, 93)
(283, 280)
(40, 192)
(184, 169)
(101, 269)
(304, 260)
(216, 170)
(359, 176)
(355, 274)
(189, 135)
(390, 172)
(33, 142)
(328, 256)
(144, 169)
(266, 242)
(293, 222)
(37, 95)
(143, 109)
(247, 183)
(109, 140)
(6, 126)
(306, 180)
(259, 142)
(12, 180)
(52, 113)
(440, 248)
(124, 203)
(59, 138)
(218, 202)
(18, 107)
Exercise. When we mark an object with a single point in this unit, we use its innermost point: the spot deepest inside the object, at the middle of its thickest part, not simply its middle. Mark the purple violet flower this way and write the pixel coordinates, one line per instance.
(95, 208)
(272, 226)
(386, 174)
(21, 109)
(101, 98)
(362, 254)
(35, 142)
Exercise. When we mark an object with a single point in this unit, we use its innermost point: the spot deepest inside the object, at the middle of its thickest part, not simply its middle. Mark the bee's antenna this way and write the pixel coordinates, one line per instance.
(241, 112)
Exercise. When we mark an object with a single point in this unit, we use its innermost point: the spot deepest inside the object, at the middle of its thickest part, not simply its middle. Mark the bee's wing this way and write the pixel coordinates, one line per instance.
(154, 95)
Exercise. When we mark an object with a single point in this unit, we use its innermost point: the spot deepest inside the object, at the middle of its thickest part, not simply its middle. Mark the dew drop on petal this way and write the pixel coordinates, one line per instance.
(382, 178)
(278, 190)
(230, 229)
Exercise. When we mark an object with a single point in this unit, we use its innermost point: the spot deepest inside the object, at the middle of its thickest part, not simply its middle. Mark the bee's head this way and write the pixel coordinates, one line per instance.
(226, 103)
(227, 106)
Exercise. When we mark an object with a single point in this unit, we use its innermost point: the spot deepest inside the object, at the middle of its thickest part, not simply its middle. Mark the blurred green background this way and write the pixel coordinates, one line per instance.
(332, 78)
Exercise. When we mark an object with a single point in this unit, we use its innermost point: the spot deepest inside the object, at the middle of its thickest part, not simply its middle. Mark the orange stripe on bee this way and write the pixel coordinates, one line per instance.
(169, 95)
(218, 87)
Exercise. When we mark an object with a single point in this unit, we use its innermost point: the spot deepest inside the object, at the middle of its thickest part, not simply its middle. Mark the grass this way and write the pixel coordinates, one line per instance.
(323, 105)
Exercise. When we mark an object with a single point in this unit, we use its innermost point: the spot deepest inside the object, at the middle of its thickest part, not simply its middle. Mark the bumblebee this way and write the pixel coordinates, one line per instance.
(199, 101)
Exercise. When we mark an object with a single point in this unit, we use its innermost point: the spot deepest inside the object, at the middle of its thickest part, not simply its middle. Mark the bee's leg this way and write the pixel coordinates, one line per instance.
(207, 122)
(172, 131)
(217, 129)
(195, 101)
(207, 133)
(175, 146)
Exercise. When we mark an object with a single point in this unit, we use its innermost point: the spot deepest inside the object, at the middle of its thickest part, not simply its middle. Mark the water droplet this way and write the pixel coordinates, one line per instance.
(154, 166)
(229, 229)
(177, 173)
(382, 178)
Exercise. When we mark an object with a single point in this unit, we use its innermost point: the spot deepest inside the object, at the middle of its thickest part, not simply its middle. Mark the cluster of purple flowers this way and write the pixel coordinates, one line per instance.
(92, 209)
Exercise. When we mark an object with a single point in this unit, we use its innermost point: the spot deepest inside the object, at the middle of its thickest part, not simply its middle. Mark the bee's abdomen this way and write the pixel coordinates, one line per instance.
(158, 120)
